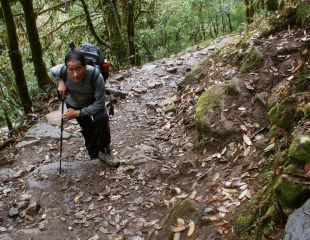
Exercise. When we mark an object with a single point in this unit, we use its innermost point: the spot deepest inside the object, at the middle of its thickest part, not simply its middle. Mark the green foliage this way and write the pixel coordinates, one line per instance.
(179, 24)
(303, 13)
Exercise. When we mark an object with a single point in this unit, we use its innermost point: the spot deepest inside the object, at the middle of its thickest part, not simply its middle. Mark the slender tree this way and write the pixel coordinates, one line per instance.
(91, 26)
(131, 33)
(118, 44)
(15, 57)
(249, 11)
(36, 50)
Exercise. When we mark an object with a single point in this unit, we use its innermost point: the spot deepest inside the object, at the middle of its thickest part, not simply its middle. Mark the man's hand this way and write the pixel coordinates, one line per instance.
(70, 114)
(62, 89)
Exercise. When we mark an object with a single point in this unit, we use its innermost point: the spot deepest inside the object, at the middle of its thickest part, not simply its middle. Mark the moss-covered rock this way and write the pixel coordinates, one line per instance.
(282, 114)
(252, 61)
(289, 192)
(212, 116)
(232, 89)
(209, 117)
(300, 148)
(207, 101)
(244, 221)
(185, 209)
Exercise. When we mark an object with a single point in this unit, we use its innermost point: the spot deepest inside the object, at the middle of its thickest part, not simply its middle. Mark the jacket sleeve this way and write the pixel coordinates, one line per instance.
(56, 72)
(99, 104)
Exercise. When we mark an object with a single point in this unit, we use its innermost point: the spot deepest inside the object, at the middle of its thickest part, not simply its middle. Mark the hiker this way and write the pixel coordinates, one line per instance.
(85, 102)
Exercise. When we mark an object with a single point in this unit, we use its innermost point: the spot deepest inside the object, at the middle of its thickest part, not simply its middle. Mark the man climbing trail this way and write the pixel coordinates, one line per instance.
(85, 102)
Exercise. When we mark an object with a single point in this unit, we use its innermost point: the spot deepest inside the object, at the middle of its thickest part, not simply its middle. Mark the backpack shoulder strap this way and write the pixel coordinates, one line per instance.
(95, 74)
(63, 73)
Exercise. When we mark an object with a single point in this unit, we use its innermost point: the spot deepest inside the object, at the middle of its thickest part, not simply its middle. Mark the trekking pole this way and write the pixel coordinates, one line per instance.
(61, 132)
(61, 128)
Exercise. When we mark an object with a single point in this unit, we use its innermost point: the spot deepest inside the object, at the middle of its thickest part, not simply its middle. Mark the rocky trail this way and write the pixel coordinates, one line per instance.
(160, 179)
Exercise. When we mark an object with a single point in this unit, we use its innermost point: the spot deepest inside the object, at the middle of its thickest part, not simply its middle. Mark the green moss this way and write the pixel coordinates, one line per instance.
(300, 148)
(281, 114)
(307, 110)
(231, 90)
(289, 193)
(252, 61)
(244, 221)
(206, 102)
(291, 168)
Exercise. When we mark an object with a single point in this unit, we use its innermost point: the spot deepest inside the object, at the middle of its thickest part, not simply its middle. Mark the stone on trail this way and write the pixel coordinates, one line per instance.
(26, 143)
(6, 174)
(149, 67)
(13, 212)
(172, 69)
(5, 237)
(54, 118)
(42, 130)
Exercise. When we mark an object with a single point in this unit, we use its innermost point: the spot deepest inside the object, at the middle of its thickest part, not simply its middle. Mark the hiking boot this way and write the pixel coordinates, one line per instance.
(108, 158)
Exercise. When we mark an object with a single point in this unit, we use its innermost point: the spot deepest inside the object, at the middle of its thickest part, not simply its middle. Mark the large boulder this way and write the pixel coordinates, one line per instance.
(212, 115)
(298, 224)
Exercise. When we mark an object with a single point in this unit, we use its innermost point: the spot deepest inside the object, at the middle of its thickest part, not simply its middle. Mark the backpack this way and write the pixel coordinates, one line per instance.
(95, 57)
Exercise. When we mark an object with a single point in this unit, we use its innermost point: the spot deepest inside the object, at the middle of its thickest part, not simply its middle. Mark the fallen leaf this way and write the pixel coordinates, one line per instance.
(247, 140)
(177, 236)
(115, 197)
(177, 190)
(179, 228)
(307, 169)
(77, 197)
(191, 228)
(180, 222)
(243, 194)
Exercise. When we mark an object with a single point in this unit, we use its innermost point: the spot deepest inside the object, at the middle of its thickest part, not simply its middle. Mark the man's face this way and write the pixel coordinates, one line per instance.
(76, 70)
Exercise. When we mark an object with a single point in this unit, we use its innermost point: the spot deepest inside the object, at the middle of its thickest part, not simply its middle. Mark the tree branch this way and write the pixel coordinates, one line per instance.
(63, 23)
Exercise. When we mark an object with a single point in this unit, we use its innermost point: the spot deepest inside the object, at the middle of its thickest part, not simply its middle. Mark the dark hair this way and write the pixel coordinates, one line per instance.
(75, 55)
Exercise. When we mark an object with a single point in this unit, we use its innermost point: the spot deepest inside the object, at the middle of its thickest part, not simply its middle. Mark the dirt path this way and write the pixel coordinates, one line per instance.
(90, 200)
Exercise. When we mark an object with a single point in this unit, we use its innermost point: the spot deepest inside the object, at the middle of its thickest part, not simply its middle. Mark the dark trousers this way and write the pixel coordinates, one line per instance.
(96, 132)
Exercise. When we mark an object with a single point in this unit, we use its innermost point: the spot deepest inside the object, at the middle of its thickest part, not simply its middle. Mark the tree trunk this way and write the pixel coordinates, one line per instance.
(222, 18)
(229, 22)
(131, 33)
(118, 45)
(15, 57)
(43, 78)
(271, 5)
(249, 11)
